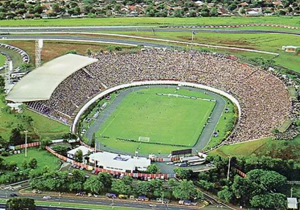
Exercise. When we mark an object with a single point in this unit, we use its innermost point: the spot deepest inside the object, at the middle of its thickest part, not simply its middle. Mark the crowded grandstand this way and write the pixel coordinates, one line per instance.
(264, 99)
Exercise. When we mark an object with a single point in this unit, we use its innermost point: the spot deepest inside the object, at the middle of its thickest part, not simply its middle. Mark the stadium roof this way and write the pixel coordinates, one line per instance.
(40, 83)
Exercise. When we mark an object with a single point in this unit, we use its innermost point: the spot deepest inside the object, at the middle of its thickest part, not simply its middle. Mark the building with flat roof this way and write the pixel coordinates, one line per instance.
(85, 151)
(121, 163)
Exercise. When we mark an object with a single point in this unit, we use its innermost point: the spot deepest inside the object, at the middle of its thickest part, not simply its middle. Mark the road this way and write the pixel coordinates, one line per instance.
(23, 30)
(106, 202)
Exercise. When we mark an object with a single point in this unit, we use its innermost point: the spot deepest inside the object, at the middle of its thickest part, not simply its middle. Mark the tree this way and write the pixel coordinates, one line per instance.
(267, 180)
(72, 52)
(78, 156)
(226, 194)
(213, 12)
(45, 142)
(153, 169)
(120, 187)
(20, 203)
(32, 163)
(106, 179)
(182, 173)
(16, 138)
(2, 84)
(127, 180)
(89, 52)
(94, 185)
(269, 201)
(93, 140)
(186, 191)
(24, 164)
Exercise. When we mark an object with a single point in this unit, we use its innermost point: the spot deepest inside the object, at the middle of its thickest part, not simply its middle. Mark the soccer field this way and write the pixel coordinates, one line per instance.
(164, 116)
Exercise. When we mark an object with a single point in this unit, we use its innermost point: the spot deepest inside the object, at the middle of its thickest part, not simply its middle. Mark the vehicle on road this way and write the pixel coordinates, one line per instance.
(121, 196)
(13, 195)
(47, 197)
(111, 195)
(142, 198)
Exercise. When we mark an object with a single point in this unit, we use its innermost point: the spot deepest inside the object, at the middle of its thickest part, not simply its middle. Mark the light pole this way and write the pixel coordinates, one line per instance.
(25, 142)
(228, 171)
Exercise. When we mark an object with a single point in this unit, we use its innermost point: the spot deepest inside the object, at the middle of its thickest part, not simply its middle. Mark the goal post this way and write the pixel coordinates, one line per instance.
(144, 139)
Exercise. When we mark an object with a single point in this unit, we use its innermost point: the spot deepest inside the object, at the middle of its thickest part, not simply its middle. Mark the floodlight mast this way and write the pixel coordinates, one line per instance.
(38, 52)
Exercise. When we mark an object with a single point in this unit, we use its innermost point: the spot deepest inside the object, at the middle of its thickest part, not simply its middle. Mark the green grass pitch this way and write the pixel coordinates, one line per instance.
(164, 119)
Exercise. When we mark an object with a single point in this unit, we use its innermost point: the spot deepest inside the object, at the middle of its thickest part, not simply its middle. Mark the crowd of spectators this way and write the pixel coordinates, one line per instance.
(264, 99)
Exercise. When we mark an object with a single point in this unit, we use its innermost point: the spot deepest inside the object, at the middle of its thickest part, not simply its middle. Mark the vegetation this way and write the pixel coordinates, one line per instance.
(38, 126)
(20, 203)
(103, 182)
(15, 167)
(265, 177)
(2, 60)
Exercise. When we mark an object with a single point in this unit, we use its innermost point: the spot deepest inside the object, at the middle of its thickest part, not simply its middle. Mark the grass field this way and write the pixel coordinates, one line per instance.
(147, 21)
(40, 125)
(241, 149)
(2, 60)
(164, 119)
(16, 58)
(43, 157)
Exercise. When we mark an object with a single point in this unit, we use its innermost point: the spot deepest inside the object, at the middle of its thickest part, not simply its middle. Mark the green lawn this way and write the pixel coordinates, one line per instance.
(241, 149)
(43, 157)
(16, 57)
(224, 126)
(285, 20)
(164, 119)
(2, 59)
(42, 126)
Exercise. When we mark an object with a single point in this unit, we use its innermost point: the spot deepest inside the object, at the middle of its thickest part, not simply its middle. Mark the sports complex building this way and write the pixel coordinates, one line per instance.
(64, 88)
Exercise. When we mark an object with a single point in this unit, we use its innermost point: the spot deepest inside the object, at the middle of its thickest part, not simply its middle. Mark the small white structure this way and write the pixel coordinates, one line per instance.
(15, 107)
(122, 163)
(292, 203)
(291, 49)
(85, 151)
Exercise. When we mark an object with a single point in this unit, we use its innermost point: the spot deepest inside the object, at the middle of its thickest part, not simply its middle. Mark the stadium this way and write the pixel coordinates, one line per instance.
(262, 100)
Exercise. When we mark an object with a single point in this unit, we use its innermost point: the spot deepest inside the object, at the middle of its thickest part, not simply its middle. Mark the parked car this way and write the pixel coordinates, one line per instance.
(121, 196)
(142, 198)
(111, 195)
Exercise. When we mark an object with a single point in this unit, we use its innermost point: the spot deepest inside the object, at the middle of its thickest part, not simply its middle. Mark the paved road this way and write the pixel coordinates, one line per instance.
(131, 28)
(105, 202)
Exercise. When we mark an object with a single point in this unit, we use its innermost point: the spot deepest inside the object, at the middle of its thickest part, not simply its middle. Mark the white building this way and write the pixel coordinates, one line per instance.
(292, 203)
(121, 163)
(85, 151)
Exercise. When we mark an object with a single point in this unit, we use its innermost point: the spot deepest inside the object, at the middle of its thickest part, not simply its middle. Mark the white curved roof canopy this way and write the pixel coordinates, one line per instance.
(40, 83)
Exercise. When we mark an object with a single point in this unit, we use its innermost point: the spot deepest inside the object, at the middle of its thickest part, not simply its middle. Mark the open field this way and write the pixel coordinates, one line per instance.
(164, 119)
(40, 125)
(53, 49)
(147, 21)
(241, 149)
(264, 42)
(43, 157)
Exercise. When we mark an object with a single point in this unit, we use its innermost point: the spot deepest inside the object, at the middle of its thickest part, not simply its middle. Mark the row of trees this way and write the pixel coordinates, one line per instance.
(20, 8)
(262, 186)
(104, 182)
